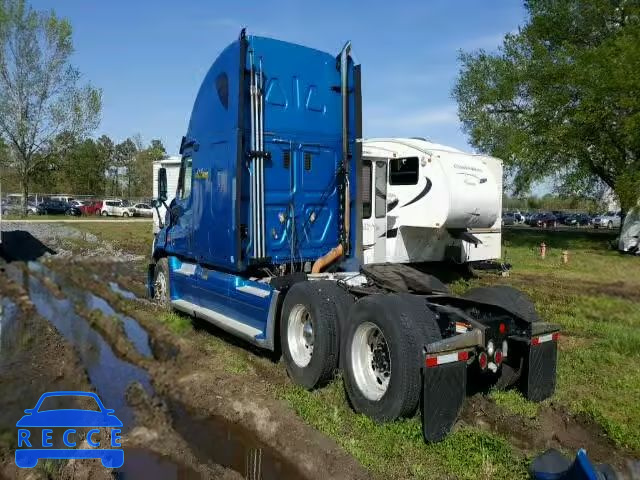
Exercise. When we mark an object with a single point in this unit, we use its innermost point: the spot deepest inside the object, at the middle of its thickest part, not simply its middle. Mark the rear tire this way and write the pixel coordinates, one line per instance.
(125, 214)
(343, 301)
(383, 354)
(309, 334)
(104, 213)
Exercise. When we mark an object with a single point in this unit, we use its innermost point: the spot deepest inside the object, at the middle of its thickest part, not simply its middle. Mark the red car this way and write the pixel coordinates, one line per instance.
(91, 207)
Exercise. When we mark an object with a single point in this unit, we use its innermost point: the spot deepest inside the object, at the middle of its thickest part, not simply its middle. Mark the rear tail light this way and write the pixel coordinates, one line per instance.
(498, 357)
(483, 360)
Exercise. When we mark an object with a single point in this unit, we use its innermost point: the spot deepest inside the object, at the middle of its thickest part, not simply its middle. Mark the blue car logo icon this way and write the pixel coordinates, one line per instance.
(28, 456)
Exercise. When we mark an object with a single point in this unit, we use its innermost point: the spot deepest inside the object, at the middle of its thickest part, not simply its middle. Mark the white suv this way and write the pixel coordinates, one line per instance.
(115, 208)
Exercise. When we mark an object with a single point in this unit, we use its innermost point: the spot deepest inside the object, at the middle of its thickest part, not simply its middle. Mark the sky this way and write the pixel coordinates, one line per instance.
(149, 57)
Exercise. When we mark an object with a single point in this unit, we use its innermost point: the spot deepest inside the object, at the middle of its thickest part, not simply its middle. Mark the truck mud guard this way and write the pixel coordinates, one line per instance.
(444, 388)
(538, 379)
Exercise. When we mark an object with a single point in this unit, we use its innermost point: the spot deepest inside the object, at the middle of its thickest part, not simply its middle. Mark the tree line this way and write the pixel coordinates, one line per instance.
(90, 166)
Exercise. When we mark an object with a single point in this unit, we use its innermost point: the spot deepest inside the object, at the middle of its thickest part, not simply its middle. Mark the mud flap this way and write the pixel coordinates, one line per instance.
(444, 389)
(538, 380)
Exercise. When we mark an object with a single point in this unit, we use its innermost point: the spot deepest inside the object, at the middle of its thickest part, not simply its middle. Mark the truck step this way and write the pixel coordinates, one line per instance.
(225, 322)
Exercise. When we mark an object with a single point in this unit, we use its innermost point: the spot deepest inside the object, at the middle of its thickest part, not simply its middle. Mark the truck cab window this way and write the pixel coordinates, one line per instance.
(184, 181)
(366, 189)
(403, 171)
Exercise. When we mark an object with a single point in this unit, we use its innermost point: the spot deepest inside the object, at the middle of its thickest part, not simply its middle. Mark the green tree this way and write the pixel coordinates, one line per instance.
(560, 98)
(40, 96)
(142, 169)
(84, 168)
(124, 154)
(107, 148)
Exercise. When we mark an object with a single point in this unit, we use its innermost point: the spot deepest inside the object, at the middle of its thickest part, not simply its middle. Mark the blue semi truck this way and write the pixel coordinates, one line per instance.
(263, 239)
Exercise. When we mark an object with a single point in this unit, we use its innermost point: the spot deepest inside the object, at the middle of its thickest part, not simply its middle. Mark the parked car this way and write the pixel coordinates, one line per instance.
(508, 219)
(518, 217)
(532, 219)
(546, 220)
(142, 210)
(560, 215)
(53, 207)
(115, 208)
(577, 220)
(73, 211)
(91, 207)
(11, 208)
(32, 208)
(609, 220)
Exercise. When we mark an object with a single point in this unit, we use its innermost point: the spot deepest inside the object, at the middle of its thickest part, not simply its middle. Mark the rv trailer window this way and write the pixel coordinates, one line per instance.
(403, 171)
(184, 181)
(222, 86)
(366, 189)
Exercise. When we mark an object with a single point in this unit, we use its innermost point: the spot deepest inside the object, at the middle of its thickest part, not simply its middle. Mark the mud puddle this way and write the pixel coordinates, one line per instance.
(135, 333)
(115, 288)
(107, 373)
(142, 463)
(232, 446)
(11, 336)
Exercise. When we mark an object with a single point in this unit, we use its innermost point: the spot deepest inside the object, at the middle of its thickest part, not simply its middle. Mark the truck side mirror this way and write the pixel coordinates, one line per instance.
(162, 184)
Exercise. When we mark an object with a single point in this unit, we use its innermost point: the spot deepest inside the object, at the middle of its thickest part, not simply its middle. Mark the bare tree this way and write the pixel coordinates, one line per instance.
(39, 93)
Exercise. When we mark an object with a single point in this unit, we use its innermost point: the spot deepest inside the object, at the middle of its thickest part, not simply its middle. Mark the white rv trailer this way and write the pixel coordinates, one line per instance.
(172, 166)
(425, 202)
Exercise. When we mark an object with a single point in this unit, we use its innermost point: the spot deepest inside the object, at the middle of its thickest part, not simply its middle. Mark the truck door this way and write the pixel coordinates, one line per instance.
(180, 210)
(380, 210)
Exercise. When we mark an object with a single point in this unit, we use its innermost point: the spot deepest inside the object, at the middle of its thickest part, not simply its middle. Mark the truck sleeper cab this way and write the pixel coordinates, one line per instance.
(264, 240)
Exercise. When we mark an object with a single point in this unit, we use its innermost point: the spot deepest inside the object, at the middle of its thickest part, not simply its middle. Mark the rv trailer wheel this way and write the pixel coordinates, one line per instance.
(309, 335)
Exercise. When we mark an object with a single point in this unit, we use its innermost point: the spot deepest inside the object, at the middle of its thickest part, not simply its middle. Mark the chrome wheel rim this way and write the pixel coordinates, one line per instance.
(300, 335)
(371, 361)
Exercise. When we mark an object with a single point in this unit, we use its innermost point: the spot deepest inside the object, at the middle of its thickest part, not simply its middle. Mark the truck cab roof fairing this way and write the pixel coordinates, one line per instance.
(302, 143)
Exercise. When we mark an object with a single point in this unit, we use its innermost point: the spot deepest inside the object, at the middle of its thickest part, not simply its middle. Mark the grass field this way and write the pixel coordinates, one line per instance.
(596, 300)
(134, 237)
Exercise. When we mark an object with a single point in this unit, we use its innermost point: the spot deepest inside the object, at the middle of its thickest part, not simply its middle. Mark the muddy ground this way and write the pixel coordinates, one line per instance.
(76, 319)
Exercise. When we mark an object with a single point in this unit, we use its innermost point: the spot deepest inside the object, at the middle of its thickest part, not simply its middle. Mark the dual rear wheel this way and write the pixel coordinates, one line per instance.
(379, 337)
(378, 342)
